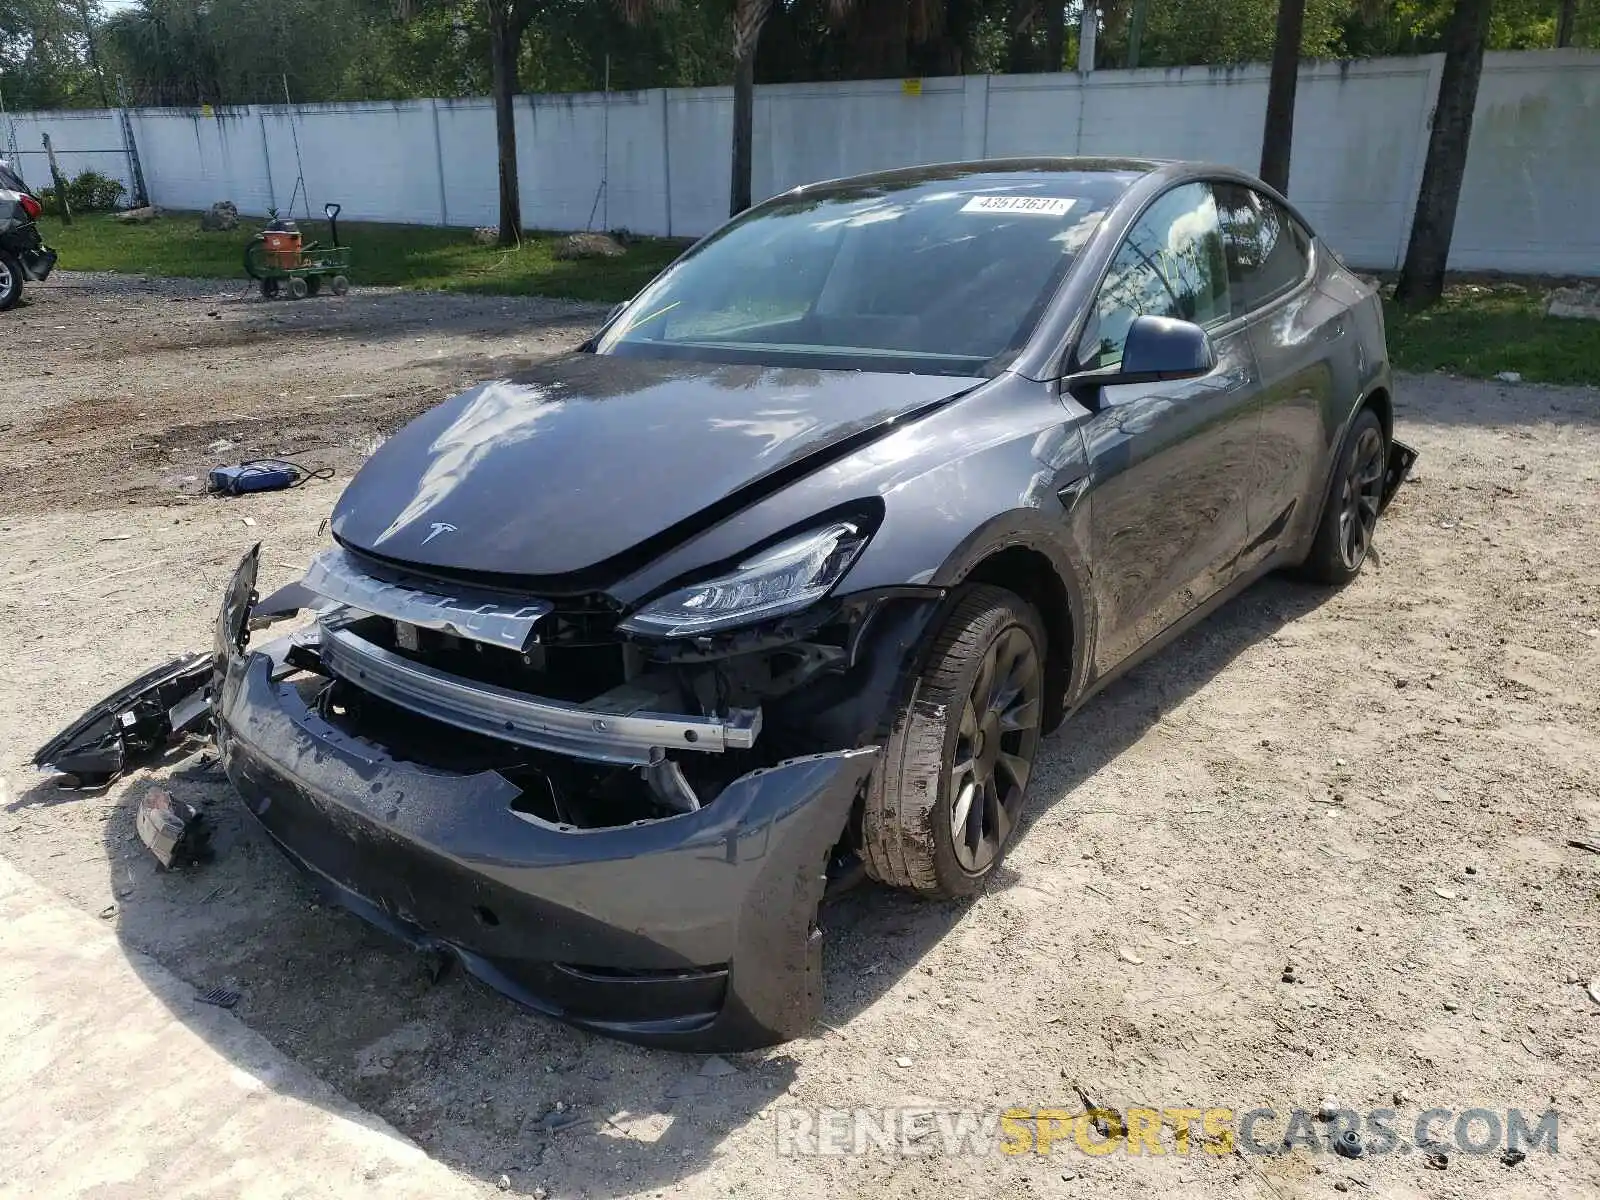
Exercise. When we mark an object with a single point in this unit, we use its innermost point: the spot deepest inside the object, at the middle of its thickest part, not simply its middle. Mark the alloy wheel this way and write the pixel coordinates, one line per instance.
(7, 280)
(995, 748)
(1359, 500)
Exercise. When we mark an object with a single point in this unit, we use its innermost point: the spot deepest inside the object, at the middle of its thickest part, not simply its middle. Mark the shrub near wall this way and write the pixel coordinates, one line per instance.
(90, 191)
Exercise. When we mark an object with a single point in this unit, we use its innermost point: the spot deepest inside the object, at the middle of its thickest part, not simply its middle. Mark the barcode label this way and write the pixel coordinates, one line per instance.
(1040, 206)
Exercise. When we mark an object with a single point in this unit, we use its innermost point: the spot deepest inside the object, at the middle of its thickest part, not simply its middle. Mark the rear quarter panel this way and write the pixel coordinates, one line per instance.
(1321, 354)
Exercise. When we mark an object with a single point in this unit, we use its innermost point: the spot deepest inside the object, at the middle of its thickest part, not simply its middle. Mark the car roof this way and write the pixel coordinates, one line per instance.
(994, 168)
(1157, 171)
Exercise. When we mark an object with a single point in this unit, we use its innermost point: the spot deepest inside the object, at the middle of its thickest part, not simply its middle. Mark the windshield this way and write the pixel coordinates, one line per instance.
(945, 276)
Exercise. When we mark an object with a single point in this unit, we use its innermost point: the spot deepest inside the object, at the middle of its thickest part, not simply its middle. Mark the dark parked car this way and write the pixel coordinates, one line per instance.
(23, 254)
(617, 663)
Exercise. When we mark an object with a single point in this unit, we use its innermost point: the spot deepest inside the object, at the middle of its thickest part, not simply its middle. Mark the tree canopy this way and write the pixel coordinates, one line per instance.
(44, 59)
(187, 52)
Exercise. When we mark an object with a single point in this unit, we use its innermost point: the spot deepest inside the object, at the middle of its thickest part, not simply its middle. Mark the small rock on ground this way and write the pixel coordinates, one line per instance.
(221, 217)
(1574, 303)
(716, 1067)
(588, 245)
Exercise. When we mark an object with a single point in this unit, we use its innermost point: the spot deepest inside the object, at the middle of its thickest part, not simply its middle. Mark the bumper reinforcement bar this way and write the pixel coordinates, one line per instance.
(638, 739)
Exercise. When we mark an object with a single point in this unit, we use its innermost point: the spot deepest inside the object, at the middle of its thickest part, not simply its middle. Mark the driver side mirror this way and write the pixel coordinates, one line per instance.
(1157, 349)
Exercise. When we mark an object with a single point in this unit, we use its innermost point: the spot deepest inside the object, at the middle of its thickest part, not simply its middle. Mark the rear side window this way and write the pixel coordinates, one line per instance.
(1269, 252)
(1170, 265)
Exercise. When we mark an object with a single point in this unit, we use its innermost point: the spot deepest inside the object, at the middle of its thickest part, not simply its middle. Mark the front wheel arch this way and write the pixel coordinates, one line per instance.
(1024, 555)
(1028, 573)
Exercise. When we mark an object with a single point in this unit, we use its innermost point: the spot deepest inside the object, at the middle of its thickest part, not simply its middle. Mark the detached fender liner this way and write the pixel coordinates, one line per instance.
(1396, 470)
(695, 931)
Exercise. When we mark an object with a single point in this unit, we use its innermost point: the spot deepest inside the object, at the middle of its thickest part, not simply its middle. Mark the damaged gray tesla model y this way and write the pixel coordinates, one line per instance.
(784, 574)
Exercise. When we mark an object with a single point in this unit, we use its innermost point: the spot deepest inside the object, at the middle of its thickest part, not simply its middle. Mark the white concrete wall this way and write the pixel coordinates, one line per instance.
(191, 161)
(1531, 198)
(656, 162)
(84, 139)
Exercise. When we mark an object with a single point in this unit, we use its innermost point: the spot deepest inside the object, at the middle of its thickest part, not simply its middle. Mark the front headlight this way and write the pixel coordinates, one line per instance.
(783, 579)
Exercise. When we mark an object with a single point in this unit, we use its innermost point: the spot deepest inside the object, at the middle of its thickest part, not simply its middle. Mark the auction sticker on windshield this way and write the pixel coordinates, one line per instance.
(1042, 206)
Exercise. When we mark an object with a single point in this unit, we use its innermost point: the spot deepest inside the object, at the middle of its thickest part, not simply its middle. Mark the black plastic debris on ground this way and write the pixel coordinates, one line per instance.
(135, 722)
(175, 831)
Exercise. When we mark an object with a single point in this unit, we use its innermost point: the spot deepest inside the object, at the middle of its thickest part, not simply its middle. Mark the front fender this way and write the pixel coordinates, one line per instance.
(1043, 534)
(1002, 468)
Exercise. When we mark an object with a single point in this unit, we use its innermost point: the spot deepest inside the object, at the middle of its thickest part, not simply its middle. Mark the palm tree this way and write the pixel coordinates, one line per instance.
(1277, 134)
(748, 18)
(907, 20)
(507, 20)
(1422, 277)
(1565, 19)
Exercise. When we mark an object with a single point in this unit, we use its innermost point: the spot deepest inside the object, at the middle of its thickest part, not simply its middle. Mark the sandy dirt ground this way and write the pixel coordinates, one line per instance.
(1369, 791)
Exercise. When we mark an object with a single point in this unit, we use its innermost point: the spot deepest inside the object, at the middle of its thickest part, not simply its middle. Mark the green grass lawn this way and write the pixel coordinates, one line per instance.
(417, 256)
(1484, 329)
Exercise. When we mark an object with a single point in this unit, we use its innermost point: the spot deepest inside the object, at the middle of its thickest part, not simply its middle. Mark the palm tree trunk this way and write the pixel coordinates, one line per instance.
(748, 17)
(1136, 20)
(1428, 251)
(503, 38)
(1564, 22)
(1277, 135)
(1019, 37)
(94, 53)
(1055, 35)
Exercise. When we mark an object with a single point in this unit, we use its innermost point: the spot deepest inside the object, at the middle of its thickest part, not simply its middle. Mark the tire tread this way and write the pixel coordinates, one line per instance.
(10, 298)
(897, 845)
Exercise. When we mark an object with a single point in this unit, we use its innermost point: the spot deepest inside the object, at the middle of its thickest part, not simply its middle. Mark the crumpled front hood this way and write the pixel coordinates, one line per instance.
(577, 462)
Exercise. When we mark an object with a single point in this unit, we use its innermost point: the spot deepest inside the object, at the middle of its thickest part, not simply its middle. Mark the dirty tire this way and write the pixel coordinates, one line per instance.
(1350, 517)
(10, 280)
(907, 836)
(339, 285)
(297, 288)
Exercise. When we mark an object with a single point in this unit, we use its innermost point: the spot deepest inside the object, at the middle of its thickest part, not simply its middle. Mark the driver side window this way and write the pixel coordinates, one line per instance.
(1170, 265)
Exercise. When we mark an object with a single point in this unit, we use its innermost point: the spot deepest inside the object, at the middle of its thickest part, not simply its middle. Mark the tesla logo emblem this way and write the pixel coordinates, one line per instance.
(436, 529)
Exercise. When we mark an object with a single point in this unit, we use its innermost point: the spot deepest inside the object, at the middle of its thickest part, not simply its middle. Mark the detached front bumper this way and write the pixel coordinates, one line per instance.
(695, 931)
(37, 263)
(37, 259)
